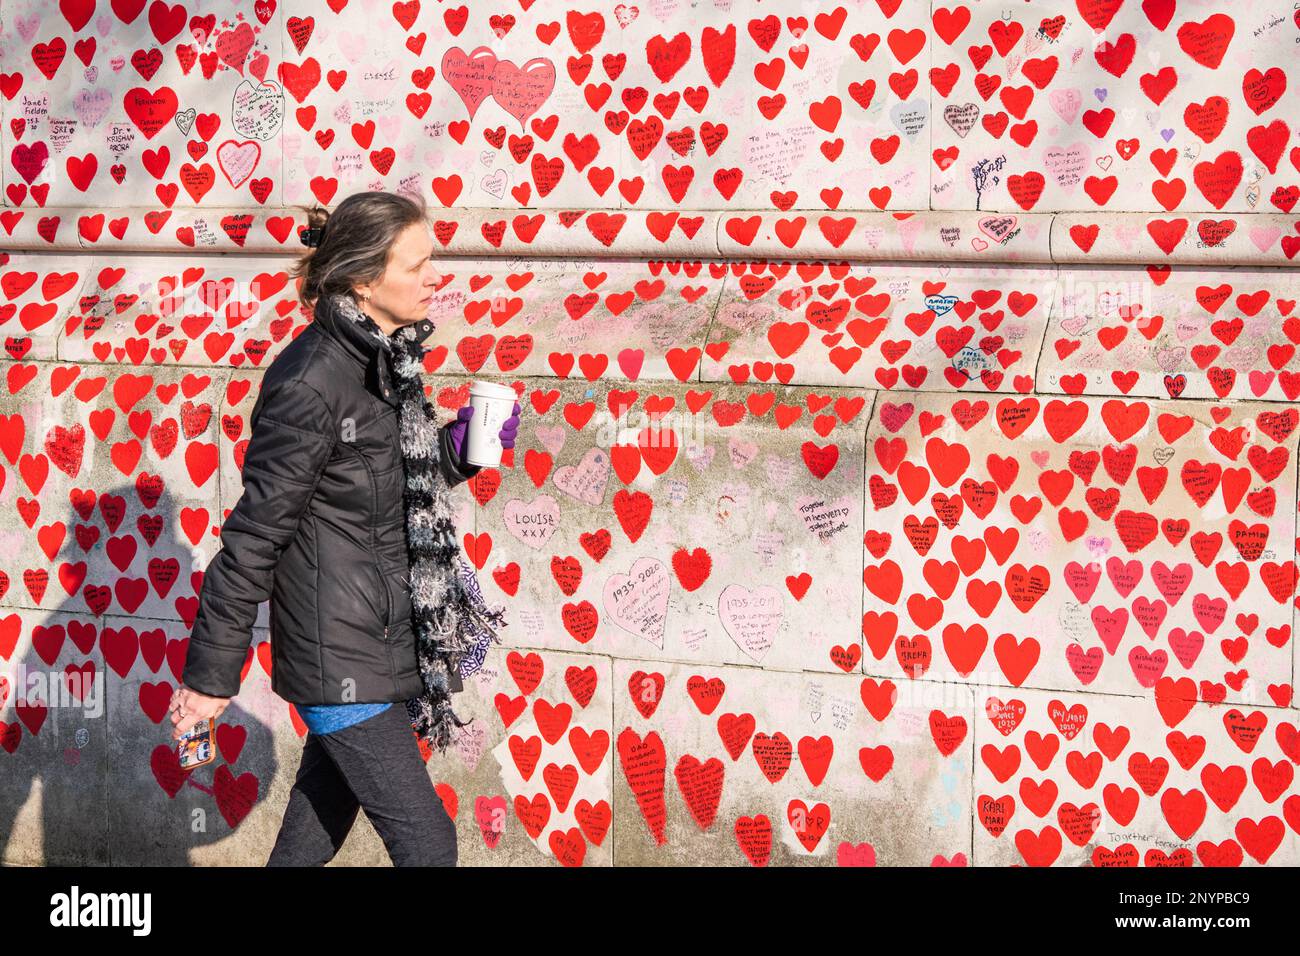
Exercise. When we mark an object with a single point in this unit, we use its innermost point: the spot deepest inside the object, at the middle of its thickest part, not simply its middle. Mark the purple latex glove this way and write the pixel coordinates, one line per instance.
(459, 427)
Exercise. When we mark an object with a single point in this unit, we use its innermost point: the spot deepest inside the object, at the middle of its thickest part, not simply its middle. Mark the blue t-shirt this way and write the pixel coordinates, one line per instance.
(327, 718)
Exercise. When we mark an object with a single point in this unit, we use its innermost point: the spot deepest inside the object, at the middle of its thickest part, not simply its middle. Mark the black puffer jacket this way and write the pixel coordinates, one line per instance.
(320, 530)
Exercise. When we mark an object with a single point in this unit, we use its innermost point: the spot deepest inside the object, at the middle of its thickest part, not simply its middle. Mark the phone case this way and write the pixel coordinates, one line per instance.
(198, 746)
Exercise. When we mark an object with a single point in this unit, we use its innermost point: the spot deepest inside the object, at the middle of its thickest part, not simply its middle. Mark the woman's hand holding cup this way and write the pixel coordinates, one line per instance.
(506, 435)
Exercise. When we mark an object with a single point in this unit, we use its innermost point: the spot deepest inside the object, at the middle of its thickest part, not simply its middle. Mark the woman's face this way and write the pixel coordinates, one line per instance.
(405, 290)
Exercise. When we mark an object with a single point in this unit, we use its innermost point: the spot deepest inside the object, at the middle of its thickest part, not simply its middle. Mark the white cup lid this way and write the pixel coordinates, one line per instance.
(493, 390)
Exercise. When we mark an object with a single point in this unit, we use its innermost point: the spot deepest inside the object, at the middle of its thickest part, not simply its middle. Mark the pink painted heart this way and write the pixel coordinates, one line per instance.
(491, 814)
(521, 90)
(861, 854)
(1147, 666)
(1085, 665)
(1186, 645)
(1110, 626)
(470, 75)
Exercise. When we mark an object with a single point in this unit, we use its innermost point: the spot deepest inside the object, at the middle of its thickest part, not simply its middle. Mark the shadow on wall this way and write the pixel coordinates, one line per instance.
(85, 728)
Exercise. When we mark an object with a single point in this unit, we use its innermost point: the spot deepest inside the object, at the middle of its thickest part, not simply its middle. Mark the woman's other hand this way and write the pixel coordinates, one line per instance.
(188, 707)
(510, 428)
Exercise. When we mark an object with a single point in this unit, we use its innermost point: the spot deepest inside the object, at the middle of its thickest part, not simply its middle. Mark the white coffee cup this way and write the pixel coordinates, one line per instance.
(492, 404)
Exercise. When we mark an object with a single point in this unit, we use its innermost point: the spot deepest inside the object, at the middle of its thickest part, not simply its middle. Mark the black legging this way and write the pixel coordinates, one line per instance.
(375, 765)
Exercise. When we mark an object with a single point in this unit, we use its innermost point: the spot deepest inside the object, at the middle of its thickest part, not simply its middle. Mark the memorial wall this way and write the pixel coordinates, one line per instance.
(907, 468)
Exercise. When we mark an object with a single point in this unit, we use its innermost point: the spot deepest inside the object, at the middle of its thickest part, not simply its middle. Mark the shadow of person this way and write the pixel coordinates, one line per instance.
(83, 720)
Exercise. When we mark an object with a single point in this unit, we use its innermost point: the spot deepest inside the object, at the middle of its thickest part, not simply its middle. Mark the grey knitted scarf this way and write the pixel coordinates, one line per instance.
(453, 624)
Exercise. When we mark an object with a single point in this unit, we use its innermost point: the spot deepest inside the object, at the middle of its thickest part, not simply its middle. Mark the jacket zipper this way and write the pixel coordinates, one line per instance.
(374, 542)
(388, 600)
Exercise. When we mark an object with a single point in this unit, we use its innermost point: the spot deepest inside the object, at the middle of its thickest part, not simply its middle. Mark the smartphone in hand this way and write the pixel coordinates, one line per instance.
(197, 746)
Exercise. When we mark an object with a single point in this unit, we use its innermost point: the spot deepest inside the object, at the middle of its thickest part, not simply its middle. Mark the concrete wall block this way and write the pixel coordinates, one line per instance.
(115, 476)
(532, 772)
(656, 532)
(1101, 544)
(741, 766)
(888, 326)
(1219, 334)
(1079, 779)
(58, 776)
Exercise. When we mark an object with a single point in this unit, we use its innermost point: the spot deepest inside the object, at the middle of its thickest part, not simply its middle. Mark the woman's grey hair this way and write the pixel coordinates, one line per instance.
(355, 240)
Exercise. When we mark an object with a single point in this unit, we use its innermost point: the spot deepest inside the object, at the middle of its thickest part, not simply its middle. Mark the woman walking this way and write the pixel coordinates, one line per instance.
(346, 525)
